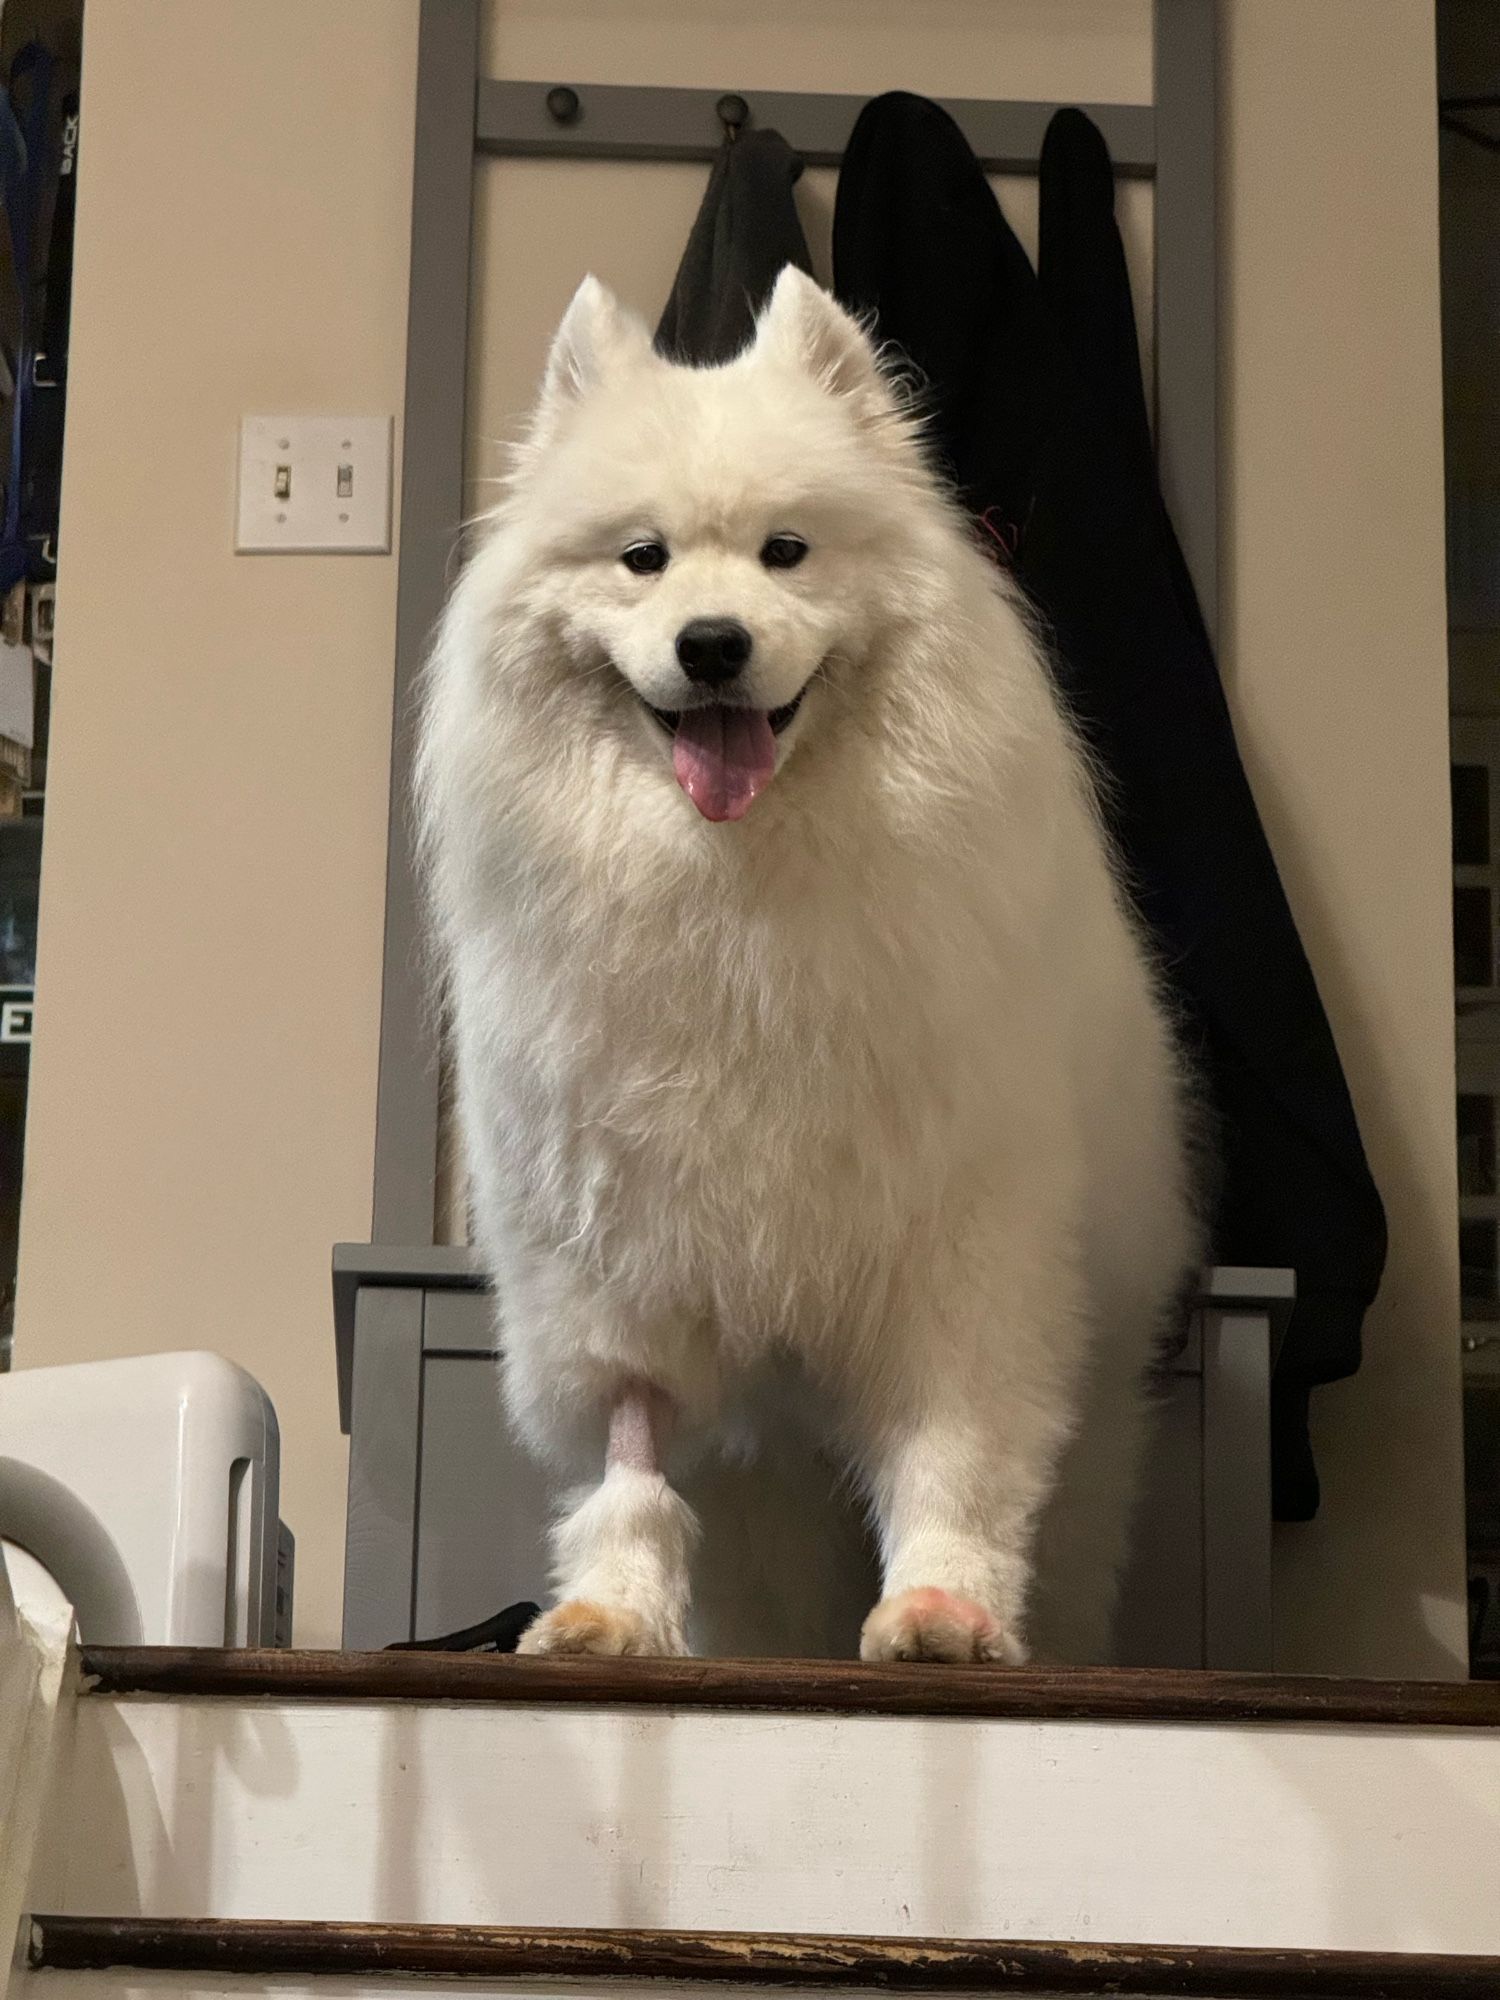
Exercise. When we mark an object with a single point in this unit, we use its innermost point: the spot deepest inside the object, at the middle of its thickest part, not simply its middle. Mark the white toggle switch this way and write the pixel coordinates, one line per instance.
(314, 485)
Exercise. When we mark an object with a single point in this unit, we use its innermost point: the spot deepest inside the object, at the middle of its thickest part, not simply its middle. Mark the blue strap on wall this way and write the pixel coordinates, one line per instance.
(23, 165)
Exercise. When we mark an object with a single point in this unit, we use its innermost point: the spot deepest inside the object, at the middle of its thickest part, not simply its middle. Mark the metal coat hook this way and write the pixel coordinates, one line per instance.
(563, 105)
(733, 114)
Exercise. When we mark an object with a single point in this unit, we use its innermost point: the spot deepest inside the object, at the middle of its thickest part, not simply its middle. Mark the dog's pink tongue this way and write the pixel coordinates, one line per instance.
(723, 758)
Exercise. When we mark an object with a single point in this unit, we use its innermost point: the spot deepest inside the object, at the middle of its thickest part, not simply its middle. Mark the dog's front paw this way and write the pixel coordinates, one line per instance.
(935, 1625)
(579, 1626)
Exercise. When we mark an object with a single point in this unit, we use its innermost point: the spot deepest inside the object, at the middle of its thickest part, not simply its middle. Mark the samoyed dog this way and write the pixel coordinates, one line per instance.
(823, 1128)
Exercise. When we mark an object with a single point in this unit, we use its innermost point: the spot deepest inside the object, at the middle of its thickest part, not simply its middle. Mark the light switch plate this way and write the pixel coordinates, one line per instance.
(314, 485)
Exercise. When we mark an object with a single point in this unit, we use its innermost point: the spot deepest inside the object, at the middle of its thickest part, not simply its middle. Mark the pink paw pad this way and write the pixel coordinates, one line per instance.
(934, 1624)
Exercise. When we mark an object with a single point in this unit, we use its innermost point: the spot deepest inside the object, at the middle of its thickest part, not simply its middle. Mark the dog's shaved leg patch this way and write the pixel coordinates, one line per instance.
(622, 1555)
(640, 1423)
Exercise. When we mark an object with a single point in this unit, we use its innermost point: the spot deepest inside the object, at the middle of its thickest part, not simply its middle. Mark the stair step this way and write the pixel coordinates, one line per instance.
(815, 1686)
(713, 1958)
(1186, 1809)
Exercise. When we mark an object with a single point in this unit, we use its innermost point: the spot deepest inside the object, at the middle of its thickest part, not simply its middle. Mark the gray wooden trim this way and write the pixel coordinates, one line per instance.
(1247, 1284)
(360, 1267)
(437, 339)
(384, 1468)
(1237, 1626)
(645, 122)
(1187, 284)
(460, 1323)
(1246, 1288)
(456, 1267)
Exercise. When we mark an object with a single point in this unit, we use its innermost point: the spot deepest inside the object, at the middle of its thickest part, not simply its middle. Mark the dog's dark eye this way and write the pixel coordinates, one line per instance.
(783, 552)
(645, 558)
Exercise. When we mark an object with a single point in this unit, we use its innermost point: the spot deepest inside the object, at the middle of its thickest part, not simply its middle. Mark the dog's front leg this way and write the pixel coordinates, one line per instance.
(961, 1454)
(621, 1554)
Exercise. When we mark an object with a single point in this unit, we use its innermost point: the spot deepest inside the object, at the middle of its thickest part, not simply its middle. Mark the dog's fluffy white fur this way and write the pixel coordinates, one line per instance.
(846, 1139)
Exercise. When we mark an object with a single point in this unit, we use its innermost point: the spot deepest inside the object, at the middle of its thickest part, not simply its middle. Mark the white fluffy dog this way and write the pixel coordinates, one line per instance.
(824, 1133)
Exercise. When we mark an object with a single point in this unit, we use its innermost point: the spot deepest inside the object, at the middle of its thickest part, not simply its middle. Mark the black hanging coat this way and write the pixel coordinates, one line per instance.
(1040, 418)
(746, 230)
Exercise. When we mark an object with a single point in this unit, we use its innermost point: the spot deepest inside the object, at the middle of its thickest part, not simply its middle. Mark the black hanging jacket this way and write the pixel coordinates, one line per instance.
(746, 230)
(1040, 418)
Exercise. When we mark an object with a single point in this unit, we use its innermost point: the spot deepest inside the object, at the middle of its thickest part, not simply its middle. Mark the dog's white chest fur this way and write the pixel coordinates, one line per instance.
(873, 1077)
(716, 1088)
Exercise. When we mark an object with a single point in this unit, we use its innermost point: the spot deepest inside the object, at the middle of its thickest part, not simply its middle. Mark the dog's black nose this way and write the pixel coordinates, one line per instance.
(712, 650)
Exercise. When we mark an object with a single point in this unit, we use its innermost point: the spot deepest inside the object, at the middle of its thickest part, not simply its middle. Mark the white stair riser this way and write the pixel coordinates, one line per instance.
(1347, 1837)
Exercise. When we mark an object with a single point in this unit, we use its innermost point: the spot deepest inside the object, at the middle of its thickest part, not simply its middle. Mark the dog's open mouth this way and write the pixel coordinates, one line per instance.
(724, 757)
(777, 717)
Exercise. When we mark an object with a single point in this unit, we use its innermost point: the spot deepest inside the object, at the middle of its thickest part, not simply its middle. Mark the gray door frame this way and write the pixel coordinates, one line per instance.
(1174, 140)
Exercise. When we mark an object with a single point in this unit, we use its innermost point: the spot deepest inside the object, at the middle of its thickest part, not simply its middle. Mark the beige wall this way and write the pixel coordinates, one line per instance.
(211, 921)
(1336, 661)
(208, 992)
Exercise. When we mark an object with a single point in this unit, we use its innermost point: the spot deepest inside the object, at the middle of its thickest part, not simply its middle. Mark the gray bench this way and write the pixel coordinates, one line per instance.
(447, 1514)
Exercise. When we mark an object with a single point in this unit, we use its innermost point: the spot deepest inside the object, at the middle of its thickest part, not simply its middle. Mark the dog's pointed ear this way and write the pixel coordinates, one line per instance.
(597, 336)
(805, 328)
